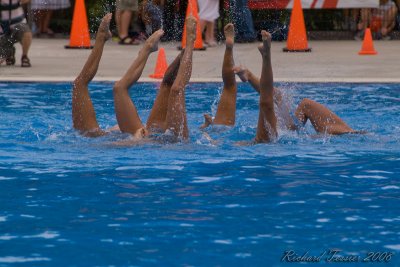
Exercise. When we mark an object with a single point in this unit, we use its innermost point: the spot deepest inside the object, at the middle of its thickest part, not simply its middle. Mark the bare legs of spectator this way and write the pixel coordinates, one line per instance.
(26, 44)
(266, 128)
(226, 110)
(386, 22)
(126, 113)
(209, 34)
(42, 21)
(123, 21)
(83, 114)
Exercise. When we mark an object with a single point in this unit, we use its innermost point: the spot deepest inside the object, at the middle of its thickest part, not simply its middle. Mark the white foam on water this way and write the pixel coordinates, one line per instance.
(186, 225)
(3, 218)
(27, 216)
(252, 180)
(224, 242)
(202, 179)
(291, 202)
(154, 180)
(390, 187)
(13, 259)
(113, 225)
(106, 240)
(253, 167)
(231, 206)
(45, 235)
(243, 255)
(216, 161)
(354, 218)
(331, 194)
(369, 177)
(7, 237)
(159, 167)
(378, 171)
(323, 220)
(394, 247)
(3, 178)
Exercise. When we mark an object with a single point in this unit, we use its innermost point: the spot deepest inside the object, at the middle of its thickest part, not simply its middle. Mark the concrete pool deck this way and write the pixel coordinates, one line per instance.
(329, 61)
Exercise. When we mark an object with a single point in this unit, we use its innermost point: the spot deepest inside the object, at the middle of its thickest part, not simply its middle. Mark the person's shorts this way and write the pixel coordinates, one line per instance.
(131, 5)
(7, 41)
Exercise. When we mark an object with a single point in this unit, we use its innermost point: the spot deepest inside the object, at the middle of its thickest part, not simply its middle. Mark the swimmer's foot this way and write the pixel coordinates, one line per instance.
(207, 121)
(191, 24)
(265, 47)
(104, 29)
(153, 40)
(229, 32)
(242, 72)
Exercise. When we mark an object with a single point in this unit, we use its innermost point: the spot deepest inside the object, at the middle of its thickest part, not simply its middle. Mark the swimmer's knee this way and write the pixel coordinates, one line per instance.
(118, 87)
(306, 102)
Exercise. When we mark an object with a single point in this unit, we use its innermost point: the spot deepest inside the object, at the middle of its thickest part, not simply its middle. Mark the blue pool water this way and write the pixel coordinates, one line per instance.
(66, 200)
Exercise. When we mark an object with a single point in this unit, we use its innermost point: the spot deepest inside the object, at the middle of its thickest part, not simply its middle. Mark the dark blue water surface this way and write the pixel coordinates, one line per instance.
(66, 200)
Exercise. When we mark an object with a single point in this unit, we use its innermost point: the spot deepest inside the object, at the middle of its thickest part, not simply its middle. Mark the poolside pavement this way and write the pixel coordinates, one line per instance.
(329, 61)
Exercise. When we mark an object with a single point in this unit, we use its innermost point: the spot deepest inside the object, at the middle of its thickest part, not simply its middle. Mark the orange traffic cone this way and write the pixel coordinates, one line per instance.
(79, 37)
(367, 46)
(192, 10)
(161, 65)
(297, 38)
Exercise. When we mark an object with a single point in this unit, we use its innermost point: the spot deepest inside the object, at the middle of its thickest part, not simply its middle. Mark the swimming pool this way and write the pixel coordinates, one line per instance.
(66, 200)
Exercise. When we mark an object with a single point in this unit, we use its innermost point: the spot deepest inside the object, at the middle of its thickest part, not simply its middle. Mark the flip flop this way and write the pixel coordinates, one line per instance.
(25, 62)
(127, 41)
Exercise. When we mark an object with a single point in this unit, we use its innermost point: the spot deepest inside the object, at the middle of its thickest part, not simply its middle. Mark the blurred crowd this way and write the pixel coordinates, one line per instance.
(135, 20)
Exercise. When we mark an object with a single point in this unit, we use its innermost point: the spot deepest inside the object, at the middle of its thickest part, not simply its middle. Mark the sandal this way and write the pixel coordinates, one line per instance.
(11, 59)
(127, 41)
(25, 62)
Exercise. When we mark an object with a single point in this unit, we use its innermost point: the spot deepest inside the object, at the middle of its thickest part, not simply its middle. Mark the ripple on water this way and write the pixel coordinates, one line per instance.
(369, 177)
(331, 194)
(389, 187)
(45, 235)
(160, 167)
(394, 247)
(203, 179)
(14, 259)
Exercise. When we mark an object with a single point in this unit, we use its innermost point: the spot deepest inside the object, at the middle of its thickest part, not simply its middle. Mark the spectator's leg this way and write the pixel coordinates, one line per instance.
(226, 110)
(266, 128)
(389, 21)
(125, 22)
(365, 19)
(83, 114)
(46, 22)
(157, 117)
(127, 116)
(323, 120)
(176, 119)
(26, 44)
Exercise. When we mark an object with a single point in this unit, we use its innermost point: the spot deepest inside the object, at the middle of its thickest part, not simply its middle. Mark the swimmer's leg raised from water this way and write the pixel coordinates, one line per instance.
(226, 110)
(323, 120)
(83, 114)
(266, 128)
(176, 119)
(127, 116)
(156, 120)
(283, 108)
